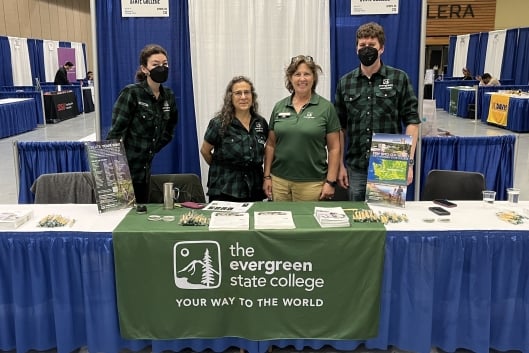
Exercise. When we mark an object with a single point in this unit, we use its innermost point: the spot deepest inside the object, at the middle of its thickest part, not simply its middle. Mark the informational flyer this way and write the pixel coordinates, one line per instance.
(144, 8)
(387, 173)
(374, 7)
(109, 167)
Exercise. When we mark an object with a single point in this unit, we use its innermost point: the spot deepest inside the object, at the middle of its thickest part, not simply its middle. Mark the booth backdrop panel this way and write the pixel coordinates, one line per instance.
(491, 155)
(125, 37)
(181, 156)
(36, 158)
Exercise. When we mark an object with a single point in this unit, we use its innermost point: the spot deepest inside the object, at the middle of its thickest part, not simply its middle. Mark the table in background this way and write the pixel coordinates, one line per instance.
(457, 284)
(460, 98)
(60, 105)
(442, 95)
(517, 115)
(17, 115)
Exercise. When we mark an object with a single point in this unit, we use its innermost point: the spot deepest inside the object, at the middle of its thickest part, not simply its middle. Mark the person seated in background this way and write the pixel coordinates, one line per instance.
(89, 79)
(488, 80)
(467, 75)
(61, 77)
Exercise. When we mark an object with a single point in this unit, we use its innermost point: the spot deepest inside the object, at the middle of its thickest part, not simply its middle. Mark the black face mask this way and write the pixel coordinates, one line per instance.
(159, 74)
(368, 55)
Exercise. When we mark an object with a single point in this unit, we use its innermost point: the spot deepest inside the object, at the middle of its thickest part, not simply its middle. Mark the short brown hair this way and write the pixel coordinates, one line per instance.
(294, 64)
(371, 30)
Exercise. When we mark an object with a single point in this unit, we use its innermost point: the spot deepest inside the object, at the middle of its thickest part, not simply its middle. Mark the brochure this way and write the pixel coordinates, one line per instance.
(229, 221)
(12, 219)
(273, 220)
(387, 173)
(110, 169)
(331, 217)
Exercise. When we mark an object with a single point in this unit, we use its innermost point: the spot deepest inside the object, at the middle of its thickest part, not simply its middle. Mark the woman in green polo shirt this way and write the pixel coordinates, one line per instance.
(303, 148)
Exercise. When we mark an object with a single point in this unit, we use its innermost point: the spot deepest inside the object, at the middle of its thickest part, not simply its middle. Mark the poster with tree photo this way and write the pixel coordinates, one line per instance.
(110, 170)
(387, 172)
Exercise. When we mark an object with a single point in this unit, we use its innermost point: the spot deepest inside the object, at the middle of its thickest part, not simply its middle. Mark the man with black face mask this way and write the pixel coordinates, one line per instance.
(373, 98)
(144, 117)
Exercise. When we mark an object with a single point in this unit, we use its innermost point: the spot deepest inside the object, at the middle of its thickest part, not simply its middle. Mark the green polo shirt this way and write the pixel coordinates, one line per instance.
(300, 152)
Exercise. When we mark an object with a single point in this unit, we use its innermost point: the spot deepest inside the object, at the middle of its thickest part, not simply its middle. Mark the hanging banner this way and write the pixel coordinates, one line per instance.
(144, 8)
(374, 7)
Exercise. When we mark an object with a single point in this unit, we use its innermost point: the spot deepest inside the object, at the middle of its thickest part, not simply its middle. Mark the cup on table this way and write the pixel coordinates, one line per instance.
(489, 196)
(513, 195)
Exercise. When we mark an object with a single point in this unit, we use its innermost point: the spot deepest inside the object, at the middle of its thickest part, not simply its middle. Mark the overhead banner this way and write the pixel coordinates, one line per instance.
(144, 8)
(176, 281)
(374, 7)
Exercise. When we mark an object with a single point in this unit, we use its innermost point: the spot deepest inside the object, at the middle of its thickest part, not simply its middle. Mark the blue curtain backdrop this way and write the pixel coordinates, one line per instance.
(521, 75)
(403, 39)
(119, 42)
(472, 58)
(482, 51)
(491, 155)
(36, 59)
(509, 55)
(6, 75)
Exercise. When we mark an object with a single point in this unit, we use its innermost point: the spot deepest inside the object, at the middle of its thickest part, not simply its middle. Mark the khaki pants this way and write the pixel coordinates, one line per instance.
(285, 190)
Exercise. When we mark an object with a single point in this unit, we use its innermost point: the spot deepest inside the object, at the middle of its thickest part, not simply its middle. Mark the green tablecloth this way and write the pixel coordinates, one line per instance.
(188, 282)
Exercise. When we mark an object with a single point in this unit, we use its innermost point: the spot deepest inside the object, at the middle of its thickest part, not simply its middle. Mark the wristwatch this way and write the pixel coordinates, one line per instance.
(411, 161)
(331, 183)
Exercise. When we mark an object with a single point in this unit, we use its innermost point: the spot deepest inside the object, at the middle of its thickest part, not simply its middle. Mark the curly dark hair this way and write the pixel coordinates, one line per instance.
(227, 112)
(145, 54)
(294, 64)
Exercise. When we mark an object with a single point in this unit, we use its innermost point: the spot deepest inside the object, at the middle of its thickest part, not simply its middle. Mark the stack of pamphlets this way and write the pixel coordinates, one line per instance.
(273, 220)
(12, 219)
(329, 217)
(229, 221)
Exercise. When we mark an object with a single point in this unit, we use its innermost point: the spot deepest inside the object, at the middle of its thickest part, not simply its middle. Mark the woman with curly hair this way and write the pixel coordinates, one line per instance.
(234, 145)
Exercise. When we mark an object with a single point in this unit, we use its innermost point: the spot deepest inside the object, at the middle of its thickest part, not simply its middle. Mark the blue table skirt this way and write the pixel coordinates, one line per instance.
(17, 117)
(517, 116)
(447, 289)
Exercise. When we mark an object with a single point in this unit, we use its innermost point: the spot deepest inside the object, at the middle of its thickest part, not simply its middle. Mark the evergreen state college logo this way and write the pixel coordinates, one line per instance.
(196, 264)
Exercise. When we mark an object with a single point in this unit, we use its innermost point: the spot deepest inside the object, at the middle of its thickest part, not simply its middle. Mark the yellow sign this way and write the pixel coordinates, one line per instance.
(498, 109)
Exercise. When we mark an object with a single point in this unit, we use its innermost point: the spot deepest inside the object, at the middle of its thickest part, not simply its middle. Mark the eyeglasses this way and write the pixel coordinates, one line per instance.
(298, 58)
(241, 93)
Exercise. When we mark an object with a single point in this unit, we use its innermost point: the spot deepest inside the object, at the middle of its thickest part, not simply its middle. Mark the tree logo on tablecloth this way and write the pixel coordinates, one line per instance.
(197, 264)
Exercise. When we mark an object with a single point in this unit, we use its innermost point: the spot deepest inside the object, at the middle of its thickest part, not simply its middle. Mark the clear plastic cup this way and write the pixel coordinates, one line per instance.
(489, 196)
(513, 195)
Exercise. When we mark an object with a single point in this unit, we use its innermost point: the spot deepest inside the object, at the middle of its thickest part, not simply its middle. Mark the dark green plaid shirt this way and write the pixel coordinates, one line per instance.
(385, 103)
(145, 124)
(237, 166)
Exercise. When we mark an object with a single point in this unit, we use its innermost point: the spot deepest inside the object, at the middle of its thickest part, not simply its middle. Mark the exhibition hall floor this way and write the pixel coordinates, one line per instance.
(83, 127)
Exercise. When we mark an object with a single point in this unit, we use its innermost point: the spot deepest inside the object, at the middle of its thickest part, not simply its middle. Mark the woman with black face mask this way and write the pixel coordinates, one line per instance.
(373, 98)
(144, 117)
